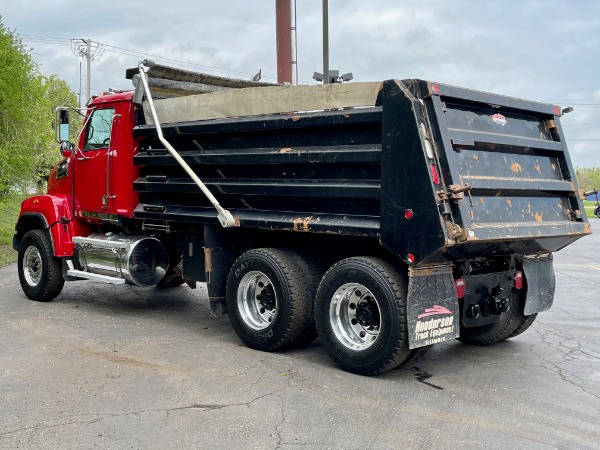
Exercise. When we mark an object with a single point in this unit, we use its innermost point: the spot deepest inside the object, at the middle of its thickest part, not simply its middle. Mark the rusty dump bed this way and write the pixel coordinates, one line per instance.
(433, 170)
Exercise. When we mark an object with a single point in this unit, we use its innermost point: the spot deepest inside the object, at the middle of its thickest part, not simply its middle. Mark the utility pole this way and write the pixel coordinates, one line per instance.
(329, 76)
(90, 51)
(326, 41)
(88, 44)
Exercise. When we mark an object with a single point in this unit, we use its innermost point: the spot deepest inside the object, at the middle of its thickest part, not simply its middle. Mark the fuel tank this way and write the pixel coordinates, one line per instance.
(140, 260)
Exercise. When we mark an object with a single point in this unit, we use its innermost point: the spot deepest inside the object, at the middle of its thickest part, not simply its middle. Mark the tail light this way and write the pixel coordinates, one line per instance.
(460, 287)
(434, 174)
(518, 280)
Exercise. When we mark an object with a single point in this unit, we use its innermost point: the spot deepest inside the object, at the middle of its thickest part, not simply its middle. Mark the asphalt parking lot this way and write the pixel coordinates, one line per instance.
(122, 367)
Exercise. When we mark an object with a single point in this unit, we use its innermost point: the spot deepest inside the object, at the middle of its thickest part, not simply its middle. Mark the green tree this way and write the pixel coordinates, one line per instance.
(27, 101)
(588, 178)
(19, 88)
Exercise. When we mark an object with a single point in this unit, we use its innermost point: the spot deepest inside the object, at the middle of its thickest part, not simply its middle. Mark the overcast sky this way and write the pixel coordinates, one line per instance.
(545, 50)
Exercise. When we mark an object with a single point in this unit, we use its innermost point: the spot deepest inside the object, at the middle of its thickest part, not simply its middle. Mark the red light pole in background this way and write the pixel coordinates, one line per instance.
(283, 15)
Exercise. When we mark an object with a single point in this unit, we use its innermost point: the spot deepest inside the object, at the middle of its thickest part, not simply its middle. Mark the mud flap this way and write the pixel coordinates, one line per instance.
(539, 275)
(432, 306)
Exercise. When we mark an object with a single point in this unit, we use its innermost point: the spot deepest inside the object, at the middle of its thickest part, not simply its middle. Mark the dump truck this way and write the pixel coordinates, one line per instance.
(382, 217)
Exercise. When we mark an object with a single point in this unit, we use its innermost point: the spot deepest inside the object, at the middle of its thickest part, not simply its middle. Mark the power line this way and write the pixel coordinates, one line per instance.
(45, 39)
(129, 52)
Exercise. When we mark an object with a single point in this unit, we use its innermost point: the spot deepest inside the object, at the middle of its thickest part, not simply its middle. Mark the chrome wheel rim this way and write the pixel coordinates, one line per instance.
(32, 266)
(355, 317)
(256, 300)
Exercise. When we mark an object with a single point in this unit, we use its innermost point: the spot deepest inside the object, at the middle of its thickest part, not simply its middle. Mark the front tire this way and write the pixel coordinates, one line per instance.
(361, 315)
(40, 273)
(269, 298)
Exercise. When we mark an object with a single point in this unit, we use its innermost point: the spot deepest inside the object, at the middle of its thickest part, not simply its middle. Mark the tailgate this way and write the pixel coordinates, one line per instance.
(509, 158)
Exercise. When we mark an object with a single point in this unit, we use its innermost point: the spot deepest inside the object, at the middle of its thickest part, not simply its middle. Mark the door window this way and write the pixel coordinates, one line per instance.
(98, 131)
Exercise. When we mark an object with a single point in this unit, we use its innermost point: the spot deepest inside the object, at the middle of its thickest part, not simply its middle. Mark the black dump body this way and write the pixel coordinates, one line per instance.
(431, 171)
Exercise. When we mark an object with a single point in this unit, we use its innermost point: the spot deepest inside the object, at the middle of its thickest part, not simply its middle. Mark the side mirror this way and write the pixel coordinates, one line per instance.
(61, 131)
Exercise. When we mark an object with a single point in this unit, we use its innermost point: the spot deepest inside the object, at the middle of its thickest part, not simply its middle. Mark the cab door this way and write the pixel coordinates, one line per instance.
(93, 193)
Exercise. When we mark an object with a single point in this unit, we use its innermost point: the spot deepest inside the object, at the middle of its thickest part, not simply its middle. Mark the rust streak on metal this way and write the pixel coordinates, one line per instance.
(296, 118)
(516, 167)
(538, 217)
(285, 150)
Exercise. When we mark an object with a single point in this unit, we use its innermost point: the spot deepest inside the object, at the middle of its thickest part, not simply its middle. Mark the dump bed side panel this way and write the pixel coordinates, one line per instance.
(311, 172)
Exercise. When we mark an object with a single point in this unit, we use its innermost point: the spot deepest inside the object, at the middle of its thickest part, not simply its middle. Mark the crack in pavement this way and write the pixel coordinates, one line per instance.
(570, 350)
(194, 407)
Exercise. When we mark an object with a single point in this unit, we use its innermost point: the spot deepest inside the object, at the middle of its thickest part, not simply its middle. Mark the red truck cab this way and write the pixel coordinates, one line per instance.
(93, 182)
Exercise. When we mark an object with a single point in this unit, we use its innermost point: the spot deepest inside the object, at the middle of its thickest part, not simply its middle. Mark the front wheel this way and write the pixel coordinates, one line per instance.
(361, 315)
(40, 273)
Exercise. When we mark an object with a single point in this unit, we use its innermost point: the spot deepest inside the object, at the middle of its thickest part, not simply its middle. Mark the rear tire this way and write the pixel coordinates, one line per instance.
(269, 298)
(415, 355)
(315, 271)
(512, 323)
(40, 273)
(361, 315)
(524, 324)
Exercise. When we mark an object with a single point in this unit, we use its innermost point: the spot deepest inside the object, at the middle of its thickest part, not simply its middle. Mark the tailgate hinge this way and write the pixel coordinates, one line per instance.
(456, 232)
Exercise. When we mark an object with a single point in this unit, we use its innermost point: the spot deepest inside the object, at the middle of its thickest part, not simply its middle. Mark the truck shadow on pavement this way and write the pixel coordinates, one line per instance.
(183, 311)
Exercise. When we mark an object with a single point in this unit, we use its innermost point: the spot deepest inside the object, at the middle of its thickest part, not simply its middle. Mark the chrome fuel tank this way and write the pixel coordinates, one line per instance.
(140, 260)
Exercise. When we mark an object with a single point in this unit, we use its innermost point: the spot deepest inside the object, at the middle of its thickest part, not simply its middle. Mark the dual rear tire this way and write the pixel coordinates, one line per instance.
(269, 298)
(512, 323)
(359, 307)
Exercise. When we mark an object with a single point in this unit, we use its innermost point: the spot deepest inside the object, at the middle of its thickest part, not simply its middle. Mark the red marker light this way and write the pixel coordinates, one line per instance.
(410, 258)
(518, 280)
(408, 214)
(436, 89)
(557, 110)
(434, 174)
(460, 288)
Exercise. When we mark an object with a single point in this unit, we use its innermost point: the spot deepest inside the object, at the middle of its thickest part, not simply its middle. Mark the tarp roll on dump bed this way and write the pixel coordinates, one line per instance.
(264, 100)
(165, 81)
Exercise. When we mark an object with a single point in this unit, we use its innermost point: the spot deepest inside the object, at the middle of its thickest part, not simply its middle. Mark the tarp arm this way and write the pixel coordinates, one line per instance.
(225, 217)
